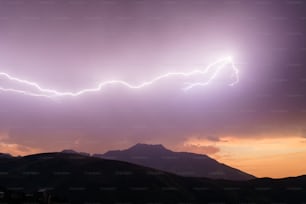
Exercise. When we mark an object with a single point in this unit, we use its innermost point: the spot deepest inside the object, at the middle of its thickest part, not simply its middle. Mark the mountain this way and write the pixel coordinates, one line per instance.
(71, 151)
(5, 155)
(74, 178)
(181, 163)
(81, 179)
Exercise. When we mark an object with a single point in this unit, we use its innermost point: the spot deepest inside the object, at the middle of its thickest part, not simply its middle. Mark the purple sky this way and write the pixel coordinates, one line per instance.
(69, 45)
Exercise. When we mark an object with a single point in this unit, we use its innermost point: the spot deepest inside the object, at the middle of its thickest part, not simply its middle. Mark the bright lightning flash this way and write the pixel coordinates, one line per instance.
(213, 68)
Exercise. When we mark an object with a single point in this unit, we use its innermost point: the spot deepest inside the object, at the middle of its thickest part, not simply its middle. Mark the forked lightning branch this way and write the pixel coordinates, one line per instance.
(210, 72)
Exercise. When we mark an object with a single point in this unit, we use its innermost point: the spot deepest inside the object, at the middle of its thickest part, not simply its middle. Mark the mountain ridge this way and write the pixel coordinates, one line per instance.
(63, 177)
(181, 163)
(157, 156)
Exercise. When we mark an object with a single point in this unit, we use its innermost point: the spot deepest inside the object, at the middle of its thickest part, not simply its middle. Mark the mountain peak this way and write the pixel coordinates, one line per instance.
(142, 146)
(182, 163)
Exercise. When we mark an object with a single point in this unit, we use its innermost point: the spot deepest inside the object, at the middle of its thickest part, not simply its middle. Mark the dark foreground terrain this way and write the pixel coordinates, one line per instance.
(72, 178)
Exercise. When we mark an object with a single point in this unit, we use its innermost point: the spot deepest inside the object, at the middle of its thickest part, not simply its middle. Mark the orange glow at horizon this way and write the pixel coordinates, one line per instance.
(12, 148)
(17, 150)
(274, 157)
(262, 156)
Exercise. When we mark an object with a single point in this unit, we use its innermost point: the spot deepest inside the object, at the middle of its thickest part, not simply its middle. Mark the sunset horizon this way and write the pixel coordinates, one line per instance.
(267, 165)
(220, 84)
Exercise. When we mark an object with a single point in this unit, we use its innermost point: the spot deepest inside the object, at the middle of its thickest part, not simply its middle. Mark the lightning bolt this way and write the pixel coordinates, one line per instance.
(215, 67)
(225, 61)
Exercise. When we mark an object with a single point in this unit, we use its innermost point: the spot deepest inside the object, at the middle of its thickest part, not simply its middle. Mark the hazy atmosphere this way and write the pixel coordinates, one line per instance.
(256, 125)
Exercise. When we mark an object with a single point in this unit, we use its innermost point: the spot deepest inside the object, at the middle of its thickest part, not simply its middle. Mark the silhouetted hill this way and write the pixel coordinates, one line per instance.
(2, 155)
(74, 178)
(80, 178)
(181, 163)
(71, 151)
